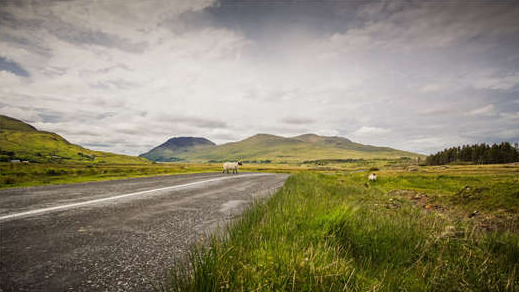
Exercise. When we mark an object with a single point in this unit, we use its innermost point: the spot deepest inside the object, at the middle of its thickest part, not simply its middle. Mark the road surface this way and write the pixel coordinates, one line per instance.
(114, 235)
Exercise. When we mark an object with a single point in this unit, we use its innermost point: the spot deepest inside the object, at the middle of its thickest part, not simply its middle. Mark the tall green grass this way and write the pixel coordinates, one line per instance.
(332, 233)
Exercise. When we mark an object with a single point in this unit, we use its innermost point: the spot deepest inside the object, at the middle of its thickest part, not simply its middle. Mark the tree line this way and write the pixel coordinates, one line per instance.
(476, 154)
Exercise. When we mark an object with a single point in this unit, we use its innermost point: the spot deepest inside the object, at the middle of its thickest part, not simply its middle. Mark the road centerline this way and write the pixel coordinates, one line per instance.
(113, 198)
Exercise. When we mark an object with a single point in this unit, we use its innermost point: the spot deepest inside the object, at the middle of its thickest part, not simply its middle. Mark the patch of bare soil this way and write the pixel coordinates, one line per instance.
(499, 220)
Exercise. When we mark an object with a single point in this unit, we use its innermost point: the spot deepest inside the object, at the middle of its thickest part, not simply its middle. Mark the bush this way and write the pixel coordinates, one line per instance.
(54, 172)
(9, 180)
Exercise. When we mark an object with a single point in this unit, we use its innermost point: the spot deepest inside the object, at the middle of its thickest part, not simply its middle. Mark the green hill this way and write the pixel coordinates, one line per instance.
(171, 148)
(19, 140)
(265, 147)
(8, 123)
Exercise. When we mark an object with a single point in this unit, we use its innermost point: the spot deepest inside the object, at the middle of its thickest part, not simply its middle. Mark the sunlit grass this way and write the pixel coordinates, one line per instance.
(335, 232)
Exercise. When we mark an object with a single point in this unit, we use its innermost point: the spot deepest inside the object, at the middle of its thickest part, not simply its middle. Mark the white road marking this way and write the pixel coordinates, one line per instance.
(74, 205)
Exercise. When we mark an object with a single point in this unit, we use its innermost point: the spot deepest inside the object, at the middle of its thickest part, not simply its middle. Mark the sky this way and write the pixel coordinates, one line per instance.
(126, 75)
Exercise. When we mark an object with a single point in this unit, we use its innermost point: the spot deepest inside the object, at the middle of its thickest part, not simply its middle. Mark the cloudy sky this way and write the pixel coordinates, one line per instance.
(126, 75)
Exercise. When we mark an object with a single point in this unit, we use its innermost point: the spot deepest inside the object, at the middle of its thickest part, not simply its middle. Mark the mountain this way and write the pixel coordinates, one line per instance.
(19, 140)
(168, 150)
(340, 142)
(8, 123)
(266, 147)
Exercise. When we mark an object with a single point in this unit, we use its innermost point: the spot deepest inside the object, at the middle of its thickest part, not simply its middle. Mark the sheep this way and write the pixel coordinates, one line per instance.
(231, 166)
(372, 177)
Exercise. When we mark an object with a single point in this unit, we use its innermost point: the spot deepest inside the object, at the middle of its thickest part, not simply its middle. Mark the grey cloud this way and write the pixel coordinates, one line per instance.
(54, 71)
(264, 19)
(69, 32)
(9, 20)
(75, 132)
(440, 112)
(50, 117)
(298, 120)
(119, 84)
(13, 67)
(82, 36)
(106, 115)
(93, 144)
(194, 121)
(224, 136)
(25, 43)
(58, 116)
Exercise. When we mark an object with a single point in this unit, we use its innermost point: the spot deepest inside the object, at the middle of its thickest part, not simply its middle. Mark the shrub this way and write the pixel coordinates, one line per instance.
(9, 180)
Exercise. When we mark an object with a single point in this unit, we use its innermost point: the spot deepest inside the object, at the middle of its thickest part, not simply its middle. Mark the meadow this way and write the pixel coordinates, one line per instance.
(33, 174)
(411, 230)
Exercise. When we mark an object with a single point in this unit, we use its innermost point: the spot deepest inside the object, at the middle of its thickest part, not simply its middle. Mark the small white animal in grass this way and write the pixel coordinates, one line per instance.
(372, 177)
(233, 166)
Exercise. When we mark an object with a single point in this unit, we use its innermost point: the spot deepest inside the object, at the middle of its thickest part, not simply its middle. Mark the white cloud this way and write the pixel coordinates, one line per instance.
(27, 115)
(368, 131)
(432, 88)
(328, 132)
(497, 83)
(486, 110)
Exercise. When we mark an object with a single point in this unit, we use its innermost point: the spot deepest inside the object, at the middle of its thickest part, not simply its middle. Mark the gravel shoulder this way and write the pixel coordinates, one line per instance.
(117, 245)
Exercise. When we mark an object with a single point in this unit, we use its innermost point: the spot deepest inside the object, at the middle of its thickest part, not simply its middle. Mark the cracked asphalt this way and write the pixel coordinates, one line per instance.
(125, 244)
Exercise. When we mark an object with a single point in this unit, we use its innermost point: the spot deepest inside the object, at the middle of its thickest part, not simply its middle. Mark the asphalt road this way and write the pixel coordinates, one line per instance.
(114, 235)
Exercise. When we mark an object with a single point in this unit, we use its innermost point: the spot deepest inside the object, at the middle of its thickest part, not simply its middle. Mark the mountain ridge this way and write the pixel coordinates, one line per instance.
(268, 147)
(165, 152)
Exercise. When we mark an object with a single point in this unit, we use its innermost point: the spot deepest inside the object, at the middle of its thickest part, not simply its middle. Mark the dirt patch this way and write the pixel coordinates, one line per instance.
(500, 220)
(419, 199)
(468, 194)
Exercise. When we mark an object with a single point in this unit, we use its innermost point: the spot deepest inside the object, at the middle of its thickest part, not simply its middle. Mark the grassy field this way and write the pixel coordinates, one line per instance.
(18, 175)
(411, 230)
(21, 175)
(33, 174)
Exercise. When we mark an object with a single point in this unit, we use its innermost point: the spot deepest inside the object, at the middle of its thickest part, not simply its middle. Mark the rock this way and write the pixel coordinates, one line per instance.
(473, 214)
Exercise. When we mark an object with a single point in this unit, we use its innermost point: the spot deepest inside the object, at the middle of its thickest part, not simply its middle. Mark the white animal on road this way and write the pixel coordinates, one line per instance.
(372, 177)
(231, 166)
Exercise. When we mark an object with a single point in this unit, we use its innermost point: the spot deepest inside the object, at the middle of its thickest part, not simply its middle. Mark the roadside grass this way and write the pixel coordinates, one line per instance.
(22, 175)
(336, 232)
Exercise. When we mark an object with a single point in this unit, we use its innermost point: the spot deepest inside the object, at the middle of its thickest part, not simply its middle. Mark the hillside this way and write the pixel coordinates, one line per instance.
(174, 146)
(12, 124)
(19, 140)
(265, 147)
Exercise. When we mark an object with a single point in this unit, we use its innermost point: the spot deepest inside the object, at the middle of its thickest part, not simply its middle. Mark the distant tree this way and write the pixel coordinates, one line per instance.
(477, 154)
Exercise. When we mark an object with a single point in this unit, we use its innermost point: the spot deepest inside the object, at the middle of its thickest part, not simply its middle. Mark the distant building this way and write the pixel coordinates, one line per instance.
(25, 161)
(15, 161)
